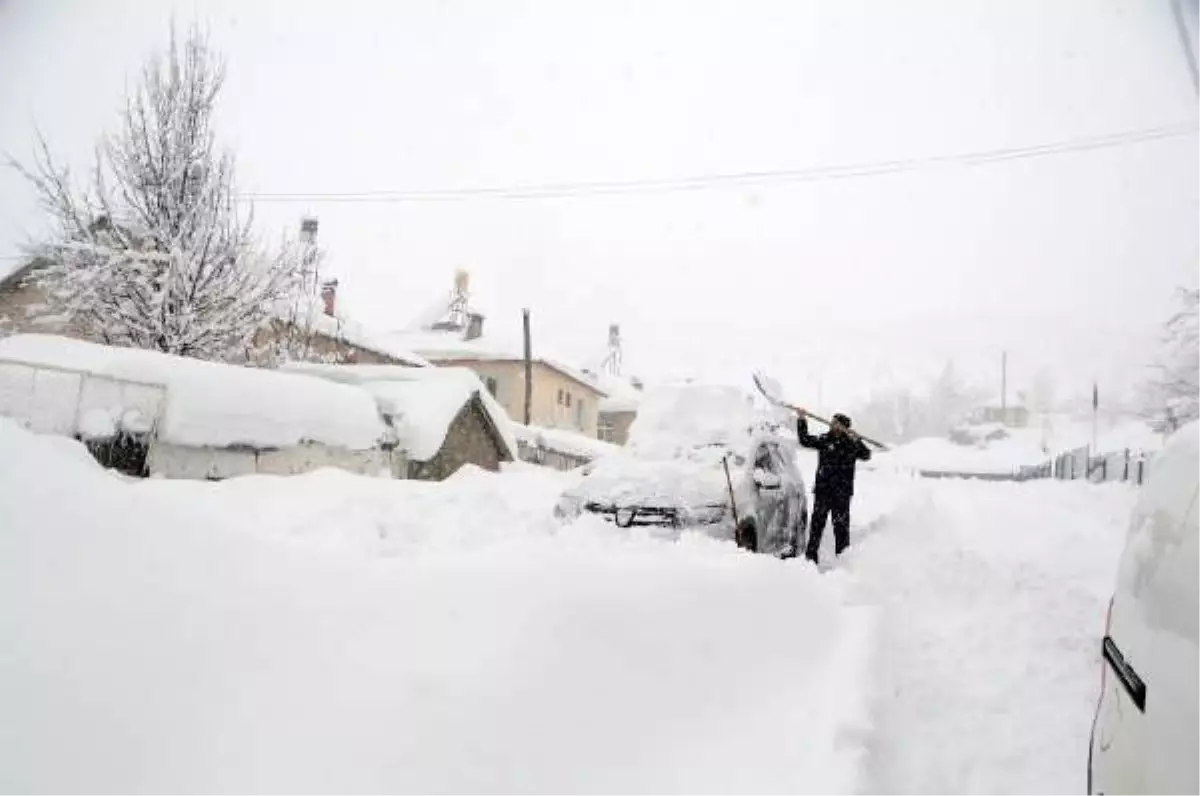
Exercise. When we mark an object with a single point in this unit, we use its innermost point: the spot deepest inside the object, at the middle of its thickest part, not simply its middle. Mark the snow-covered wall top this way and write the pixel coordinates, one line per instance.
(564, 441)
(424, 401)
(210, 404)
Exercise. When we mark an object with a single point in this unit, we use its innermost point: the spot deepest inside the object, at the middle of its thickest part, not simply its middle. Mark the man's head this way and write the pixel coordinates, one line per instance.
(841, 423)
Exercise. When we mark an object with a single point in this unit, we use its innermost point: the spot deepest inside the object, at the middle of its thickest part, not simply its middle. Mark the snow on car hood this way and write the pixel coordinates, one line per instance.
(693, 479)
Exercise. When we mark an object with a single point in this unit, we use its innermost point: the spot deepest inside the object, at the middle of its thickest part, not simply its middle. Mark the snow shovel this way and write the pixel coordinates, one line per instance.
(770, 391)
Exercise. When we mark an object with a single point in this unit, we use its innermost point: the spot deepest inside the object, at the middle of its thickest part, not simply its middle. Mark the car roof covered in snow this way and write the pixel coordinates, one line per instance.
(422, 401)
(213, 404)
(672, 417)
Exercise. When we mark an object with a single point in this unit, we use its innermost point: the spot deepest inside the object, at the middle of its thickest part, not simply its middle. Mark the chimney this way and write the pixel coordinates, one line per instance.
(308, 230)
(329, 295)
(474, 326)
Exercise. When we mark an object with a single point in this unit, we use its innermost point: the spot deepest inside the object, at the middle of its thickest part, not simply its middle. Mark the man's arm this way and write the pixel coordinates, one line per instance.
(806, 439)
(861, 450)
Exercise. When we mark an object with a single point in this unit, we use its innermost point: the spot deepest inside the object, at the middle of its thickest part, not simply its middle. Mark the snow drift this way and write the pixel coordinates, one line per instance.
(171, 636)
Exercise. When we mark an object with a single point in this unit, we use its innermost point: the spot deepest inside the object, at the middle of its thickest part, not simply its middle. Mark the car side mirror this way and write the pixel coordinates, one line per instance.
(766, 480)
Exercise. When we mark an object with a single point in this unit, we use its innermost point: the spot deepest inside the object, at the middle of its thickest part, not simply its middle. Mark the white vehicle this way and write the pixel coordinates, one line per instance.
(691, 449)
(1145, 735)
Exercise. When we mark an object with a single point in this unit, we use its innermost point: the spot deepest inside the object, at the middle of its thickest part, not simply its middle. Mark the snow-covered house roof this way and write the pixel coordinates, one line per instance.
(14, 272)
(342, 327)
(451, 346)
(211, 404)
(423, 401)
(623, 395)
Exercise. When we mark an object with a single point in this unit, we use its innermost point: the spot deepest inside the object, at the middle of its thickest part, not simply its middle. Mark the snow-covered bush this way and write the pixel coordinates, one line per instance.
(156, 252)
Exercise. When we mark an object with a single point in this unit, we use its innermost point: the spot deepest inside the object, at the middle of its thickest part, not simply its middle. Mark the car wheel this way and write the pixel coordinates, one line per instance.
(746, 535)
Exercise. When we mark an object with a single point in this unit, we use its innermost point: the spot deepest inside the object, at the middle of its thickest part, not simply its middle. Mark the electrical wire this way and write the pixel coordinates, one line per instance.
(737, 179)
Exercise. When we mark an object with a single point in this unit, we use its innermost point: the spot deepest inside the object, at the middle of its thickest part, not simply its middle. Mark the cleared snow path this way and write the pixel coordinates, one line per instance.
(992, 599)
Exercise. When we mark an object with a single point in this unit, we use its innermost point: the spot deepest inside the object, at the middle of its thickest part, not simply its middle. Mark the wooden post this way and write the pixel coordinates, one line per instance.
(528, 366)
(1125, 477)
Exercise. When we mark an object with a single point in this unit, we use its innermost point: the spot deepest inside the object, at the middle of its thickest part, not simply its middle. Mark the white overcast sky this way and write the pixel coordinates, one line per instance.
(838, 287)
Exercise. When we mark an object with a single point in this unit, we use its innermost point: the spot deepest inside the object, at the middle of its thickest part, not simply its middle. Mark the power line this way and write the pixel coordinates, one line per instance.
(738, 179)
(735, 180)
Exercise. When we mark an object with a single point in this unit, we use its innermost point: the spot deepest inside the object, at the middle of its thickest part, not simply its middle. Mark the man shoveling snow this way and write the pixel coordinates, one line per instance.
(838, 452)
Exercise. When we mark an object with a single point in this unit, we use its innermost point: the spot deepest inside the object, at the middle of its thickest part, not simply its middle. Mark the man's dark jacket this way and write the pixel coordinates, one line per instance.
(836, 458)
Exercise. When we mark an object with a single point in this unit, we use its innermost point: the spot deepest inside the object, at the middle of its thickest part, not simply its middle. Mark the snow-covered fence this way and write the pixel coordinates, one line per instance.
(1079, 464)
(72, 403)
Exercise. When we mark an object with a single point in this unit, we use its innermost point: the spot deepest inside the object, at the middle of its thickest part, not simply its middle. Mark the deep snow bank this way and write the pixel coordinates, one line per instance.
(993, 598)
(167, 636)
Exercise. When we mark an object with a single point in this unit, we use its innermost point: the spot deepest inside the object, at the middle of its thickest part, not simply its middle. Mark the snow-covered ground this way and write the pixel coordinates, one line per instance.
(933, 453)
(993, 598)
(1045, 438)
(332, 632)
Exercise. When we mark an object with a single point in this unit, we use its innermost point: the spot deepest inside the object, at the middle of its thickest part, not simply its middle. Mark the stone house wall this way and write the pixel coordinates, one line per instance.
(471, 439)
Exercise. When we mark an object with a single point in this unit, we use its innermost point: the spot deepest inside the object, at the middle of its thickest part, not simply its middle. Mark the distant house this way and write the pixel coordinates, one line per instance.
(24, 306)
(562, 396)
(1006, 413)
(313, 330)
(619, 408)
(442, 418)
(321, 332)
(152, 414)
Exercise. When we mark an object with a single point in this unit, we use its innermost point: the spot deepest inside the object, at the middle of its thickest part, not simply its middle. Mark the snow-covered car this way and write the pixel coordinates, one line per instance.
(1145, 735)
(691, 449)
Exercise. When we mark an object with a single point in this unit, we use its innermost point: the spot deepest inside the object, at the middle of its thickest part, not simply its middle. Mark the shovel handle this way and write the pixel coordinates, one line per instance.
(820, 419)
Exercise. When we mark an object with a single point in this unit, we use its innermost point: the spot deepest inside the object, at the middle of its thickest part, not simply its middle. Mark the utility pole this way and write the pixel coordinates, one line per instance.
(1004, 387)
(1095, 413)
(528, 366)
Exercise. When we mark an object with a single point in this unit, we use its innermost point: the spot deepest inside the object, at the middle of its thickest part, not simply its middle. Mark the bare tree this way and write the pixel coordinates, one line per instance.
(1177, 391)
(156, 252)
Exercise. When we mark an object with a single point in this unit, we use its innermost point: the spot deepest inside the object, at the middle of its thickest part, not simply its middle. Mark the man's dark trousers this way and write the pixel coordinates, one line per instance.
(837, 504)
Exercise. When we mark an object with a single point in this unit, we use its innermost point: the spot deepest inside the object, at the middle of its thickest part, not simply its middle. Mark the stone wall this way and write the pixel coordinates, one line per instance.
(472, 439)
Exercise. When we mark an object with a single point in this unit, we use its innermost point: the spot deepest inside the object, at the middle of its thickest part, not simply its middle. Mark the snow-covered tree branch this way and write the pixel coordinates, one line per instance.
(155, 252)
(1173, 395)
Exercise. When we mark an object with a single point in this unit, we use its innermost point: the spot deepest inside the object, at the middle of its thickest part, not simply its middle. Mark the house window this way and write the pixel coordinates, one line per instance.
(492, 386)
(579, 414)
(605, 430)
(560, 397)
(568, 400)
